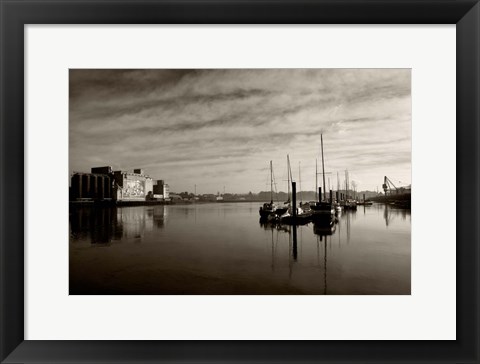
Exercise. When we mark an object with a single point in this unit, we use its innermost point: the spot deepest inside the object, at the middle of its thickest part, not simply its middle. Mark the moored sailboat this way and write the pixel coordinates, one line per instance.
(271, 210)
(323, 209)
(268, 208)
(302, 214)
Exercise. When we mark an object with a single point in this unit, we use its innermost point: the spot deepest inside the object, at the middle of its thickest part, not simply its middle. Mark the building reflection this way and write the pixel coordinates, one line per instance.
(104, 224)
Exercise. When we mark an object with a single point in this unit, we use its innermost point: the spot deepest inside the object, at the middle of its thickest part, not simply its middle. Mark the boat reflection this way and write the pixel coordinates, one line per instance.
(322, 229)
(327, 233)
(291, 230)
(225, 249)
(324, 233)
(275, 226)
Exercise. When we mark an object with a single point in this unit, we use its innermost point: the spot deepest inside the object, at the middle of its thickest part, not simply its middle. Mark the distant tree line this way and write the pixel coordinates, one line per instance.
(265, 196)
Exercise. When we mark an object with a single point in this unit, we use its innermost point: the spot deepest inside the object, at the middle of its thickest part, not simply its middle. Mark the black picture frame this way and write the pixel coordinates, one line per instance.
(15, 14)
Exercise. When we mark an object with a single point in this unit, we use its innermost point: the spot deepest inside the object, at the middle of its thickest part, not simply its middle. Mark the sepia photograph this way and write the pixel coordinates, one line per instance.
(240, 181)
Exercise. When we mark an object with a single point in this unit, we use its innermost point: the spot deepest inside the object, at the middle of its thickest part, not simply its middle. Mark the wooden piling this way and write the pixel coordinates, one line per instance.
(294, 213)
(294, 200)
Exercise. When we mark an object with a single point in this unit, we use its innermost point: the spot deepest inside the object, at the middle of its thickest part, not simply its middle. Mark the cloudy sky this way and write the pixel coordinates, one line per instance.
(216, 128)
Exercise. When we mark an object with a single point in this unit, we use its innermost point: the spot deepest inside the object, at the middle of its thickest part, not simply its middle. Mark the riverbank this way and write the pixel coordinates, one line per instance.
(152, 202)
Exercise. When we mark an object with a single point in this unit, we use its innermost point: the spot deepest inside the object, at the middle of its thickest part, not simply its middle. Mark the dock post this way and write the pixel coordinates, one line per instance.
(336, 193)
(319, 194)
(294, 200)
(331, 196)
(294, 212)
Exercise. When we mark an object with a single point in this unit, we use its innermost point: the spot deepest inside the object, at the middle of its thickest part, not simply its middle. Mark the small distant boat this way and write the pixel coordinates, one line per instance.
(403, 204)
(365, 203)
(350, 205)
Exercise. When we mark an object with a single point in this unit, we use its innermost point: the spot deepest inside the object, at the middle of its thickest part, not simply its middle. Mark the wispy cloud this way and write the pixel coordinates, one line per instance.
(218, 128)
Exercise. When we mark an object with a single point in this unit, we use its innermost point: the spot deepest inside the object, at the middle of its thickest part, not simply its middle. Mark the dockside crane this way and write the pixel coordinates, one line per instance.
(389, 187)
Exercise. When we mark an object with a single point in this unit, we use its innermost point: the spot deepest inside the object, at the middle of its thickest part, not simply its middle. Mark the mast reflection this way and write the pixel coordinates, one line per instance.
(291, 230)
(323, 232)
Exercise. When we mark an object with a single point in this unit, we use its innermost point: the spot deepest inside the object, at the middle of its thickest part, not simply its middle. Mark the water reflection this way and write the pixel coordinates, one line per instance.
(291, 232)
(325, 233)
(103, 225)
(391, 212)
(223, 249)
(347, 218)
(323, 229)
(278, 228)
(99, 224)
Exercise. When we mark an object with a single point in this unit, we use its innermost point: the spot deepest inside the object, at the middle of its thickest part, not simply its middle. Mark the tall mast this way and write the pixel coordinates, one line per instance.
(300, 183)
(348, 181)
(323, 169)
(316, 180)
(346, 185)
(271, 183)
(338, 182)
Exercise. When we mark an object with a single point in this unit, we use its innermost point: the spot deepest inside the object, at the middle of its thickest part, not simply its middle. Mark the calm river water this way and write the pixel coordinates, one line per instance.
(221, 248)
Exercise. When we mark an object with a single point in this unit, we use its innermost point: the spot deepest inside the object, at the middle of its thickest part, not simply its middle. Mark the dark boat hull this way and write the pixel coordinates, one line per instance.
(265, 213)
(322, 210)
(300, 219)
